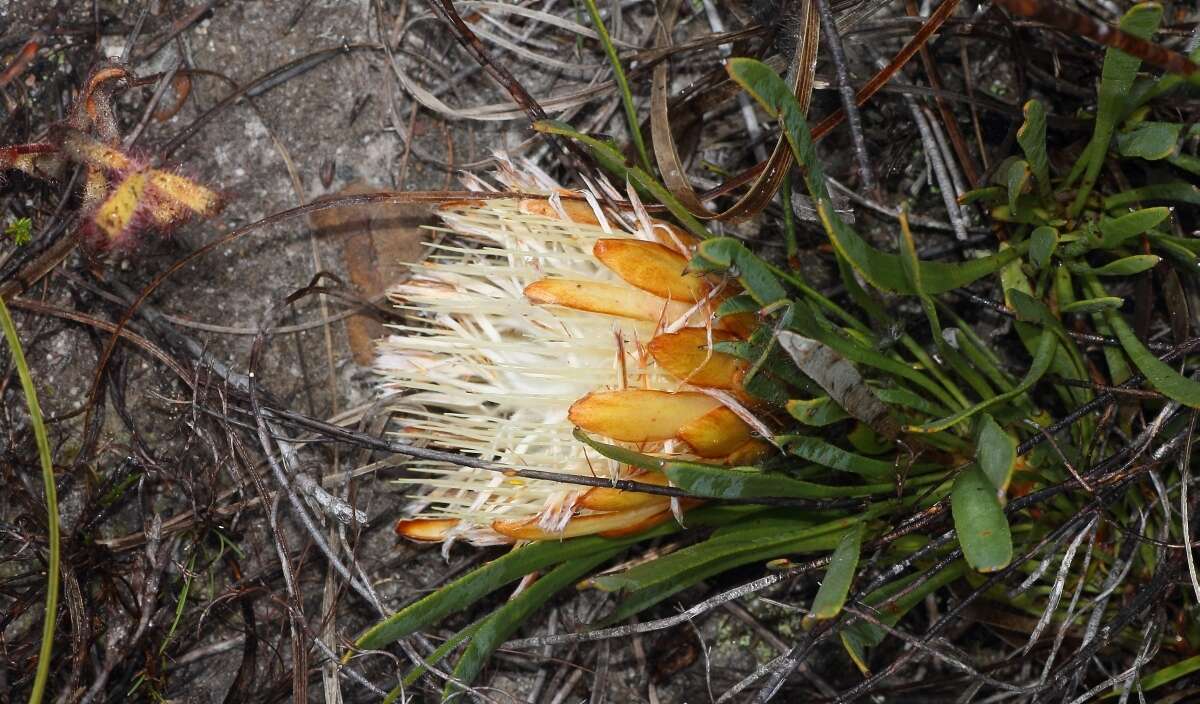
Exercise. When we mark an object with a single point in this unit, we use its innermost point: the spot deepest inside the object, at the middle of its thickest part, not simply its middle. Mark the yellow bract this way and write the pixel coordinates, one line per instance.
(715, 434)
(640, 415)
(609, 299)
(686, 355)
(608, 499)
(651, 267)
(607, 524)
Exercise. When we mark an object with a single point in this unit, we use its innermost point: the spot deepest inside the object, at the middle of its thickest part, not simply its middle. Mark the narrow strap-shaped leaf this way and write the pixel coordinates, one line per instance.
(1116, 81)
(1114, 231)
(820, 452)
(1168, 381)
(716, 482)
(982, 527)
(504, 621)
(726, 556)
(721, 483)
(816, 412)
(41, 440)
(1126, 266)
(1092, 305)
(831, 597)
(803, 321)
(631, 117)
(1043, 356)
(1164, 675)
(1174, 191)
(1032, 138)
(478, 583)
(752, 273)
(436, 656)
(862, 635)
(897, 396)
(996, 454)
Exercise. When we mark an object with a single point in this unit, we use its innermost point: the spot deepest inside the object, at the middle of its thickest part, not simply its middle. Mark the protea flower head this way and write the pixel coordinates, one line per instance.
(536, 316)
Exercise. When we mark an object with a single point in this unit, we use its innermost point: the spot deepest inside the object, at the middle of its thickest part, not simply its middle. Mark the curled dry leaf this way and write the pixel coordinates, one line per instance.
(840, 380)
(378, 241)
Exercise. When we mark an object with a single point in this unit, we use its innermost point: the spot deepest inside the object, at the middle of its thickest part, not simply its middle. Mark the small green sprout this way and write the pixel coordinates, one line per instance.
(20, 231)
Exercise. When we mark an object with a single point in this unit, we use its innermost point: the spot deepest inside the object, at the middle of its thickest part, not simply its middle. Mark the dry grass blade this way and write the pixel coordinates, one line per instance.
(801, 75)
(1083, 25)
(665, 153)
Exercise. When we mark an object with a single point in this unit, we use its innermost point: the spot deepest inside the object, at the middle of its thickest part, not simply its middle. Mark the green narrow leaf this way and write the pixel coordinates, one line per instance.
(1114, 357)
(1187, 162)
(1115, 231)
(1042, 244)
(963, 338)
(858, 294)
(1016, 181)
(996, 454)
(1067, 361)
(982, 527)
(1032, 138)
(1159, 373)
(1116, 82)
(986, 194)
(466, 590)
(832, 595)
(1150, 140)
(45, 459)
(741, 483)
(631, 116)
(897, 396)
(767, 523)
(1111, 233)
(817, 412)
(1126, 266)
(772, 376)
(820, 452)
(1175, 191)
(882, 270)
(612, 160)
(1093, 305)
(1165, 84)
(752, 273)
(504, 621)
(740, 303)
(1183, 255)
(805, 322)
(433, 658)
(1043, 356)
(1165, 675)
(764, 538)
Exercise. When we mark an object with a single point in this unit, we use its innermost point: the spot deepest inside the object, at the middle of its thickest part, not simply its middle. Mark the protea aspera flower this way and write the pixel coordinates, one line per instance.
(541, 315)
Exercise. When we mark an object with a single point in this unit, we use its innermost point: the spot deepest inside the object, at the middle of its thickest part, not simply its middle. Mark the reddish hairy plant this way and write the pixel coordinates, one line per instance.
(123, 195)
